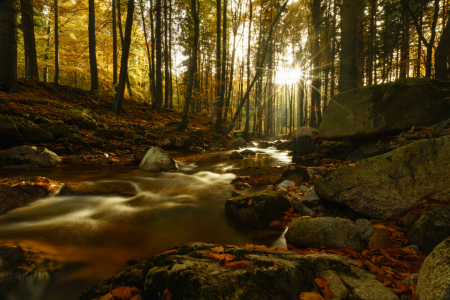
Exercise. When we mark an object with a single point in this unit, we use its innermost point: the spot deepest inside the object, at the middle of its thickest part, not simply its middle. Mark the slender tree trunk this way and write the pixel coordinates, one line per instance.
(218, 56)
(316, 116)
(146, 44)
(8, 46)
(92, 52)
(224, 65)
(166, 60)
(170, 55)
(348, 71)
(419, 47)
(192, 66)
(157, 104)
(46, 57)
(114, 29)
(117, 105)
(404, 56)
(230, 87)
(31, 65)
(119, 18)
(247, 109)
(152, 69)
(56, 77)
(370, 58)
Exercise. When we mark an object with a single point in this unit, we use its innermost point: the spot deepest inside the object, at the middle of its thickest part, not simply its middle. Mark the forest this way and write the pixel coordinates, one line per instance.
(226, 149)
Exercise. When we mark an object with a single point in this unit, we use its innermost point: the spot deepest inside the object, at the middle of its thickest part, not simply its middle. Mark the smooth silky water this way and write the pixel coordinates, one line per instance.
(90, 237)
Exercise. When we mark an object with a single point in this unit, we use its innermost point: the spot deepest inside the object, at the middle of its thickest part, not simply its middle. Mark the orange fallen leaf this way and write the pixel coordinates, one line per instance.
(167, 295)
(127, 293)
(220, 257)
(137, 297)
(237, 264)
(250, 201)
(119, 292)
(311, 296)
(319, 215)
(324, 287)
(217, 249)
(168, 251)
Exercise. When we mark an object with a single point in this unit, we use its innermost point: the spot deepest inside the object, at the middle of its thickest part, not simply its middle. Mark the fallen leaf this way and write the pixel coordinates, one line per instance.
(352, 166)
(319, 215)
(324, 287)
(168, 251)
(311, 296)
(237, 264)
(118, 292)
(167, 295)
(250, 201)
(127, 293)
(220, 257)
(217, 249)
(137, 297)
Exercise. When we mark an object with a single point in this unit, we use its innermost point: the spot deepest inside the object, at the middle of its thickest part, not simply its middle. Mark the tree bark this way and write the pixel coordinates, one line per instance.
(442, 52)
(348, 71)
(119, 18)
(224, 65)
(152, 69)
(370, 58)
(157, 104)
(404, 55)
(316, 116)
(31, 65)
(117, 104)
(92, 52)
(218, 56)
(146, 45)
(56, 77)
(166, 60)
(114, 29)
(247, 109)
(192, 67)
(8, 46)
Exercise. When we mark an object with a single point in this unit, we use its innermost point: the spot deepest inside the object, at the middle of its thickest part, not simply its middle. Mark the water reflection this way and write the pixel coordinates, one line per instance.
(123, 214)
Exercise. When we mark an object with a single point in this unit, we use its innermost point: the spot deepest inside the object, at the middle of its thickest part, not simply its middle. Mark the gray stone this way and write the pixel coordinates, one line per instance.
(41, 157)
(34, 133)
(304, 188)
(8, 128)
(188, 274)
(302, 142)
(303, 210)
(77, 160)
(369, 111)
(77, 139)
(431, 228)
(240, 142)
(368, 234)
(58, 129)
(310, 198)
(411, 280)
(167, 144)
(362, 225)
(434, 276)
(408, 220)
(157, 160)
(298, 175)
(392, 183)
(236, 155)
(367, 150)
(286, 184)
(258, 209)
(327, 232)
(177, 142)
(248, 152)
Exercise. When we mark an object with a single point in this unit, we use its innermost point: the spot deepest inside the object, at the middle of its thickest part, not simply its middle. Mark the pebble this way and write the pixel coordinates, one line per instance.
(286, 184)
(368, 234)
(310, 198)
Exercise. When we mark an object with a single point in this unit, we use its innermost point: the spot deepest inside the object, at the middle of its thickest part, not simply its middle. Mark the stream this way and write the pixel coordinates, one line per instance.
(88, 238)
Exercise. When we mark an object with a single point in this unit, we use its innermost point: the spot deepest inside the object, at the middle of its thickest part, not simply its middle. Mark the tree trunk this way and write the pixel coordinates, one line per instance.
(404, 56)
(56, 77)
(348, 71)
(92, 52)
(117, 104)
(8, 46)
(114, 29)
(146, 45)
(170, 55)
(192, 67)
(442, 53)
(218, 56)
(31, 65)
(119, 18)
(157, 104)
(152, 69)
(224, 65)
(166, 60)
(247, 109)
(370, 58)
(316, 116)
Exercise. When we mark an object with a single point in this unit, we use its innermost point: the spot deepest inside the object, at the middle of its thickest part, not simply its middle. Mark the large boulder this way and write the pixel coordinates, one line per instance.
(302, 142)
(58, 129)
(188, 273)
(34, 133)
(41, 157)
(240, 142)
(8, 128)
(157, 160)
(258, 209)
(369, 111)
(434, 276)
(328, 232)
(392, 183)
(20, 191)
(430, 229)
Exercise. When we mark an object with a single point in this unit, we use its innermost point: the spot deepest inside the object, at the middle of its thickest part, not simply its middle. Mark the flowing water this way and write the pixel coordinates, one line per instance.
(89, 237)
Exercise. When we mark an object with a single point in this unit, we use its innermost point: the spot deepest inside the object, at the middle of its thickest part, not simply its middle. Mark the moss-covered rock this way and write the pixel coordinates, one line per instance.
(431, 228)
(58, 129)
(41, 157)
(302, 142)
(258, 209)
(34, 133)
(328, 232)
(188, 274)
(8, 128)
(392, 183)
(77, 139)
(369, 111)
